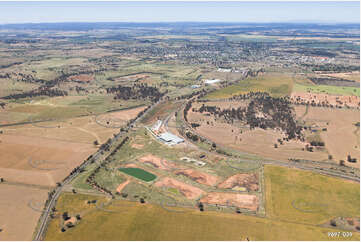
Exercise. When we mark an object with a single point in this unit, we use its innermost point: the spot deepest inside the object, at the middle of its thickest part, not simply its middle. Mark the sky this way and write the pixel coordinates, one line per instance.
(316, 12)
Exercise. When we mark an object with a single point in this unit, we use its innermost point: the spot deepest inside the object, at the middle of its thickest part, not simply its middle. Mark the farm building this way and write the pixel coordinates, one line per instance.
(195, 86)
(170, 139)
(157, 125)
(211, 81)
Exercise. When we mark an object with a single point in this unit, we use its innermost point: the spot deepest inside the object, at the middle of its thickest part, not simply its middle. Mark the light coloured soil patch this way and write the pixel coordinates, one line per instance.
(137, 146)
(341, 137)
(157, 162)
(81, 78)
(122, 185)
(232, 199)
(71, 220)
(250, 181)
(319, 98)
(127, 114)
(188, 191)
(200, 177)
(17, 219)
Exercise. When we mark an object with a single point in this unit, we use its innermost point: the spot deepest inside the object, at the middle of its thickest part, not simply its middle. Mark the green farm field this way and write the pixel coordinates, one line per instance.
(135, 221)
(275, 84)
(290, 192)
(337, 90)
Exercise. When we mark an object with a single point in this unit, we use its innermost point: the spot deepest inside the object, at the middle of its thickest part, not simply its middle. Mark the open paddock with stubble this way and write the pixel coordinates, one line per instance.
(20, 209)
(341, 137)
(136, 221)
(46, 152)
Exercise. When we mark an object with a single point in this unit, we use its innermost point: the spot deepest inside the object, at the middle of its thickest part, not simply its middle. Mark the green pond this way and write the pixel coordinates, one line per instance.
(139, 173)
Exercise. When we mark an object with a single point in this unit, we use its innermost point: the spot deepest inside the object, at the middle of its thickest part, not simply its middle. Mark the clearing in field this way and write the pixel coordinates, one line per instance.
(249, 181)
(157, 162)
(200, 177)
(246, 201)
(135, 221)
(188, 191)
(138, 173)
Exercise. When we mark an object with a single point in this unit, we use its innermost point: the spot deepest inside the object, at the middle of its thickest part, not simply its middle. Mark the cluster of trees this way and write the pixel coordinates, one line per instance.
(192, 136)
(352, 160)
(186, 109)
(137, 91)
(38, 92)
(263, 111)
(91, 181)
(317, 143)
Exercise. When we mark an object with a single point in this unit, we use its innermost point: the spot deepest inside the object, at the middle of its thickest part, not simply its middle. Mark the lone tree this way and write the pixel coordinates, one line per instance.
(201, 206)
(66, 216)
(333, 223)
(96, 142)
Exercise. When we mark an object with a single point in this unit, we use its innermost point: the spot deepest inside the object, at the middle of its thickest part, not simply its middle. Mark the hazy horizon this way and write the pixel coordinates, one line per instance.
(172, 12)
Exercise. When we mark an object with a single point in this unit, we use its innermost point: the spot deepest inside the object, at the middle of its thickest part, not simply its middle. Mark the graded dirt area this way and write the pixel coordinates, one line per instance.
(342, 135)
(249, 181)
(20, 205)
(188, 191)
(122, 185)
(200, 177)
(137, 146)
(157, 162)
(246, 201)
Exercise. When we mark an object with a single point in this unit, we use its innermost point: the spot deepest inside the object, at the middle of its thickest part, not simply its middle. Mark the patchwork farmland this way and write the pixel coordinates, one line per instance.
(124, 131)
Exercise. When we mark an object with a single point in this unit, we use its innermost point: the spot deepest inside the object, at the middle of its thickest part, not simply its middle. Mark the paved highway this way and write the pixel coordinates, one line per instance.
(45, 217)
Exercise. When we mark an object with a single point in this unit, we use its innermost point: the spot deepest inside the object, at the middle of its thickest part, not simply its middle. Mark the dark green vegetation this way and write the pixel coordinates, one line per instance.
(139, 173)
